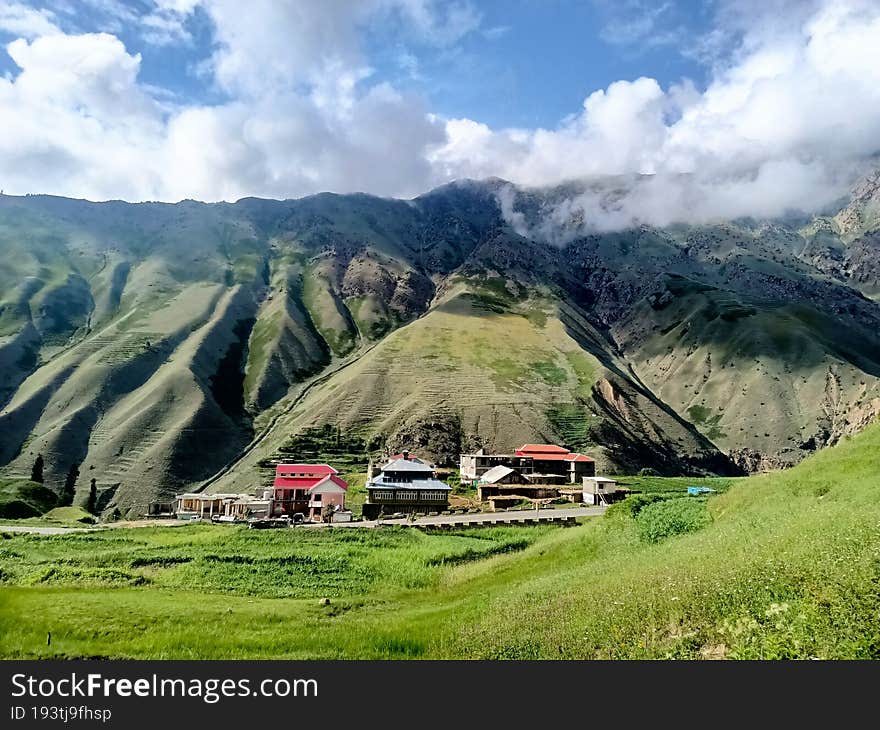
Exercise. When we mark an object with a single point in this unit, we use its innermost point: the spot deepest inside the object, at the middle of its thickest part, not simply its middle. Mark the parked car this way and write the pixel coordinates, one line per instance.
(269, 523)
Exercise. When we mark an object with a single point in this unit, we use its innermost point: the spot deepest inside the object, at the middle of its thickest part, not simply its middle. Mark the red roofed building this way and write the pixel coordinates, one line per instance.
(306, 489)
(536, 463)
(551, 460)
(532, 449)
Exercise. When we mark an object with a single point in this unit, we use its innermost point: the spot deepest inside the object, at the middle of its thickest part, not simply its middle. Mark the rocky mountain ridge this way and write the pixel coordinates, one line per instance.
(152, 343)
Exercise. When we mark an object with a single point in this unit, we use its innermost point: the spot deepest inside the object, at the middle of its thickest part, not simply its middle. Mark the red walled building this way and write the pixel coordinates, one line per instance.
(306, 489)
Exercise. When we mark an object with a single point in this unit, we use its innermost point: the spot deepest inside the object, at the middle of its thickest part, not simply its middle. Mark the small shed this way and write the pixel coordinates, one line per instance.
(601, 490)
(501, 475)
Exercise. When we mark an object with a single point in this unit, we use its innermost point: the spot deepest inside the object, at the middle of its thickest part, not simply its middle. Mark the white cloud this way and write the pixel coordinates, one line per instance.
(438, 23)
(634, 22)
(785, 126)
(288, 146)
(790, 114)
(165, 27)
(74, 119)
(276, 45)
(619, 131)
(300, 116)
(496, 32)
(26, 22)
(279, 44)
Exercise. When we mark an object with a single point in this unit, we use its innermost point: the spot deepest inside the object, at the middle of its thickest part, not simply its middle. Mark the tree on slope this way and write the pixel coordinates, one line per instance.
(92, 504)
(37, 469)
(70, 486)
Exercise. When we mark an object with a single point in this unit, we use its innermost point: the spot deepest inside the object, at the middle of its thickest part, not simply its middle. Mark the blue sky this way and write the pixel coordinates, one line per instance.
(732, 107)
(498, 72)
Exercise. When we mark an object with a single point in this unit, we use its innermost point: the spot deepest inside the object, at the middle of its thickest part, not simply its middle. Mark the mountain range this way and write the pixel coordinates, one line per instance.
(165, 347)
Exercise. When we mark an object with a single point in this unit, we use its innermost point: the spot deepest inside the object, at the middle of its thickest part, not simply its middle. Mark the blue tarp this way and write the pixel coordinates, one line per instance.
(699, 490)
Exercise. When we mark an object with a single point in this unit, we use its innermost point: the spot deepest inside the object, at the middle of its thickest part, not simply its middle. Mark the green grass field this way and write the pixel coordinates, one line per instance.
(784, 565)
(21, 498)
(651, 485)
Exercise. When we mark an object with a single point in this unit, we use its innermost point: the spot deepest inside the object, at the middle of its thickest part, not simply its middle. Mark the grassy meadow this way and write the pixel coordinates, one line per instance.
(783, 565)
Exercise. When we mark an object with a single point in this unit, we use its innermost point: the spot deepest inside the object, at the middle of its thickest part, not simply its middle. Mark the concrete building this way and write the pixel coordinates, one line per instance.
(535, 463)
(220, 507)
(553, 460)
(602, 490)
(405, 485)
(191, 506)
(247, 507)
(473, 466)
(305, 489)
(533, 471)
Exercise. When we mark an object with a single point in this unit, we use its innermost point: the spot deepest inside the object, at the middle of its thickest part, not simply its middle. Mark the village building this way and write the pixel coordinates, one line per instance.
(533, 471)
(305, 489)
(602, 490)
(405, 455)
(247, 508)
(220, 507)
(548, 459)
(473, 466)
(300, 492)
(407, 484)
(201, 506)
(501, 484)
(161, 508)
(502, 476)
(538, 463)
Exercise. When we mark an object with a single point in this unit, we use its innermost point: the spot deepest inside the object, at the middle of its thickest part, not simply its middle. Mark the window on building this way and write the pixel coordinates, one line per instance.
(396, 478)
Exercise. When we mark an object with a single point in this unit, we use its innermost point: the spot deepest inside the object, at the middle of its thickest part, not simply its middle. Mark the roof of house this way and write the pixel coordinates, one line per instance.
(329, 485)
(395, 457)
(569, 457)
(407, 465)
(492, 456)
(529, 449)
(578, 457)
(206, 497)
(308, 482)
(304, 469)
(601, 479)
(378, 483)
(496, 473)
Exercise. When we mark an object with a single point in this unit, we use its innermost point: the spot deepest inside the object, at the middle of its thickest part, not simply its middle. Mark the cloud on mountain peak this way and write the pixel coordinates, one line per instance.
(787, 126)
(790, 115)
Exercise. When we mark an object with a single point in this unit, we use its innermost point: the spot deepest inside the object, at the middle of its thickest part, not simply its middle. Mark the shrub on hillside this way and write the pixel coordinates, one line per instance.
(670, 517)
(17, 509)
(634, 504)
(20, 499)
(648, 472)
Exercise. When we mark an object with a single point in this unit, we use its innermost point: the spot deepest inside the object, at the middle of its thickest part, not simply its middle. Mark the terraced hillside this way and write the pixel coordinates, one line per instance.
(490, 366)
(161, 346)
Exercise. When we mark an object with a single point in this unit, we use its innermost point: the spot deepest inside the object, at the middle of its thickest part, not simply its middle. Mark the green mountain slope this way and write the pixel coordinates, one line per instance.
(746, 371)
(156, 344)
(494, 367)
